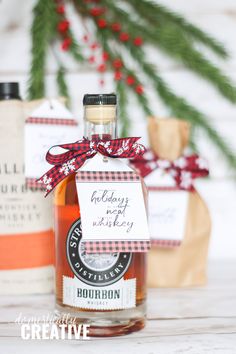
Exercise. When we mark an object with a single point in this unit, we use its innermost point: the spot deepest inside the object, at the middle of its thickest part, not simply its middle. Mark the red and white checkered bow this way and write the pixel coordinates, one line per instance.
(184, 169)
(77, 153)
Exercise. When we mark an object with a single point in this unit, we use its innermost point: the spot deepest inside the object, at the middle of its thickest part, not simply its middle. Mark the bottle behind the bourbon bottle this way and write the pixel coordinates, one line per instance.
(109, 289)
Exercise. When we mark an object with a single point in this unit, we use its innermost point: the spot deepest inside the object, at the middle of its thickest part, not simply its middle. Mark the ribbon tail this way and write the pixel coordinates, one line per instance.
(47, 180)
(59, 172)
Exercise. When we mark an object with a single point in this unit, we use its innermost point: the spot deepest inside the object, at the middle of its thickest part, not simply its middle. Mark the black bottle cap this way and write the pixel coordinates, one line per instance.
(102, 99)
(9, 90)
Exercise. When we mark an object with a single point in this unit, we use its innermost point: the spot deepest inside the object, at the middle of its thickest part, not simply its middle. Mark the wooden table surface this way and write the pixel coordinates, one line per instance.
(193, 321)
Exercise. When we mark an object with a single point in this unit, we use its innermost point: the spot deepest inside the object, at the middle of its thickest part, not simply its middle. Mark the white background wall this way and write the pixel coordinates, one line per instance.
(218, 17)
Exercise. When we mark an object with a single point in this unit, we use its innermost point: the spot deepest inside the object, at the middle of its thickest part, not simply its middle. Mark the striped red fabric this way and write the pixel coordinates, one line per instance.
(166, 243)
(116, 246)
(32, 183)
(110, 176)
(51, 121)
(183, 170)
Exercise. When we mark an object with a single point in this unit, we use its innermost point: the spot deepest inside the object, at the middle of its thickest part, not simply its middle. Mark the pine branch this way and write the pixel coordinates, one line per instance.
(171, 39)
(103, 37)
(181, 109)
(75, 49)
(42, 30)
(157, 26)
(155, 13)
(123, 102)
(61, 82)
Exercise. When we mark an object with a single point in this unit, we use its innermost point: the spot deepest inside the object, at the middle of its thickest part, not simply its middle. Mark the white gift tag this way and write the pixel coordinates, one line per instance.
(167, 210)
(49, 124)
(112, 206)
(167, 215)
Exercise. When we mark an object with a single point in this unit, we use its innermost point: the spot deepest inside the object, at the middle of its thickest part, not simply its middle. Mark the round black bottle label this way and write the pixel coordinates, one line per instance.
(96, 269)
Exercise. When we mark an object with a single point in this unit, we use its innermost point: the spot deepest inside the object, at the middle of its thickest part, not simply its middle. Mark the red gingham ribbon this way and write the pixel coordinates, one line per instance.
(51, 121)
(184, 169)
(165, 243)
(116, 246)
(77, 153)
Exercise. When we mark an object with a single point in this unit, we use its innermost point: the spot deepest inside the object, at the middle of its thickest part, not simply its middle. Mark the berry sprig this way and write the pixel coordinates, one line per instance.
(98, 13)
(102, 61)
(63, 27)
(174, 35)
(95, 57)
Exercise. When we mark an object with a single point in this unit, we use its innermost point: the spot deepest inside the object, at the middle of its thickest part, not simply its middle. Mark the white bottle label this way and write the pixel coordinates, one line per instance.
(98, 281)
(119, 295)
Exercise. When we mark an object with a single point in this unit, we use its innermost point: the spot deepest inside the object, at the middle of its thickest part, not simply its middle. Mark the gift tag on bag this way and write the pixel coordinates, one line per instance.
(49, 124)
(167, 209)
(113, 214)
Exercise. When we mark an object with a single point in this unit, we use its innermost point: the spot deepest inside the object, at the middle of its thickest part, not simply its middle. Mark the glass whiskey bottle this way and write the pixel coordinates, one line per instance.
(98, 279)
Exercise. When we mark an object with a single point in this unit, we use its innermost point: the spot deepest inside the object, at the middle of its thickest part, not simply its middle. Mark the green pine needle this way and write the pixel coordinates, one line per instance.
(171, 39)
(61, 82)
(42, 31)
(182, 110)
(123, 102)
(155, 13)
(142, 99)
(75, 49)
(178, 106)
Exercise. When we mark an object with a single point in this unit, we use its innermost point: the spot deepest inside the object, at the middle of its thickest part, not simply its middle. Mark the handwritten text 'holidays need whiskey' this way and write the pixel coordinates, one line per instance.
(115, 209)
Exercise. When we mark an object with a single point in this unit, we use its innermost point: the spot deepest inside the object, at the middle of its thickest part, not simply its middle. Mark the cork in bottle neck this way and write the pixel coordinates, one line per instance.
(100, 114)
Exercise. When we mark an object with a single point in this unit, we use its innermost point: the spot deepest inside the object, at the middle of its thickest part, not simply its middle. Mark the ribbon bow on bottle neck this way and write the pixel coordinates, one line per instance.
(77, 153)
(184, 169)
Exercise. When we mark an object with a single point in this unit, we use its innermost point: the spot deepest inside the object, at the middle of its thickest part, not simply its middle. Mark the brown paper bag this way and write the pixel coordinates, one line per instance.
(186, 264)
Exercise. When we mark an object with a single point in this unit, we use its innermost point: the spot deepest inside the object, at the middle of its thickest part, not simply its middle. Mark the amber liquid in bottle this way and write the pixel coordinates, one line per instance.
(103, 322)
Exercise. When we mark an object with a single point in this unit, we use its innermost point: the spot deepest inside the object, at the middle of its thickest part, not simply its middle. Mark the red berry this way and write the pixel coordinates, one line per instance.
(66, 44)
(130, 80)
(92, 59)
(118, 76)
(117, 63)
(63, 26)
(102, 23)
(116, 27)
(94, 46)
(105, 56)
(138, 41)
(85, 38)
(124, 36)
(96, 11)
(101, 68)
(61, 9)
(102, 82)
(139, 89)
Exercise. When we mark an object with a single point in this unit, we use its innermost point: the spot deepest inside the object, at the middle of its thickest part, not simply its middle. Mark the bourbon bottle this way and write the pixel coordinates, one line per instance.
(99, 298)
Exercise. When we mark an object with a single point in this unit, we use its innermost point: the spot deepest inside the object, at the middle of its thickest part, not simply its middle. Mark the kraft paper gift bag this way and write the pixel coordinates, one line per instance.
(186, 264)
